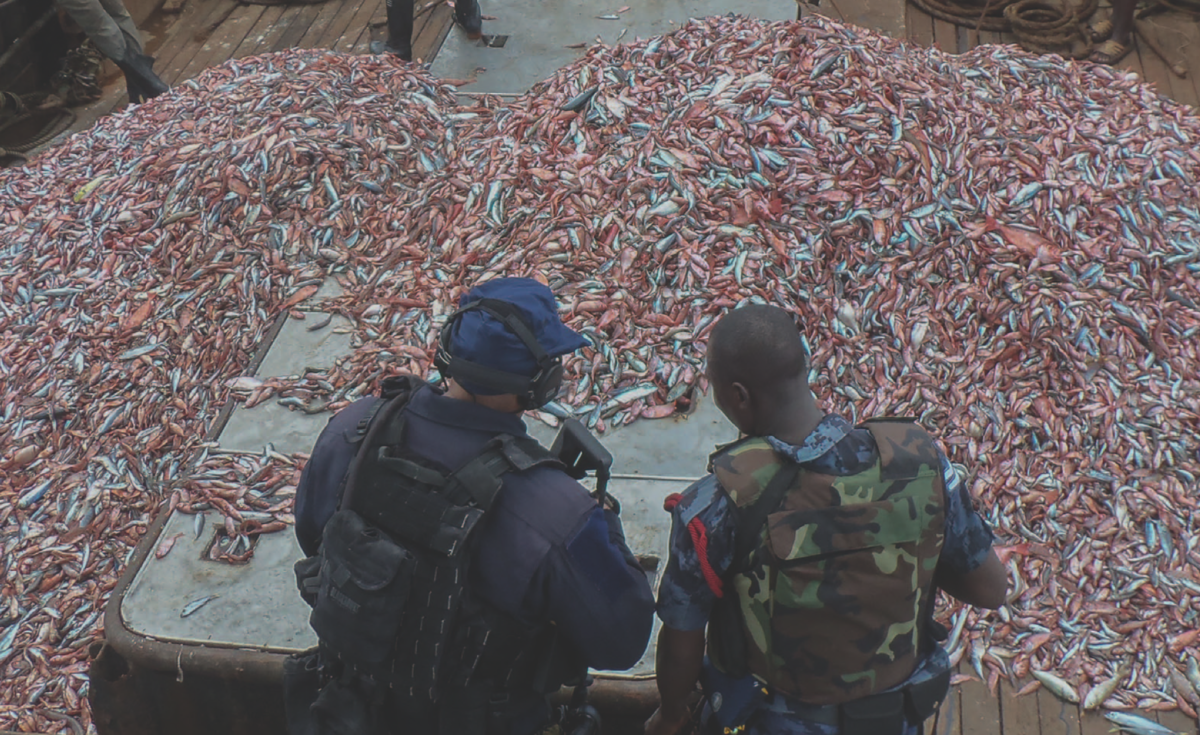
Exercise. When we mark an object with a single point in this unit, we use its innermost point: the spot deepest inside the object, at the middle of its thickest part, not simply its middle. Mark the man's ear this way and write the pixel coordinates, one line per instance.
(741, 395)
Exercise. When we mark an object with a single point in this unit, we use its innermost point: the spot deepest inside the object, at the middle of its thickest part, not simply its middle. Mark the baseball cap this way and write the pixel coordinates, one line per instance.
(483, 339)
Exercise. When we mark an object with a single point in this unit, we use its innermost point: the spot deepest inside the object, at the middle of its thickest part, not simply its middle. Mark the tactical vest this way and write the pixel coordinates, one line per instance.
(831, 596)
(391, 604)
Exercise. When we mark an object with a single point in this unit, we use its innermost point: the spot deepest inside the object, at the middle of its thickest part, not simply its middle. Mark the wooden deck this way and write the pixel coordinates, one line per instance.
(1178, 35)
(972, 710)
(209, 32)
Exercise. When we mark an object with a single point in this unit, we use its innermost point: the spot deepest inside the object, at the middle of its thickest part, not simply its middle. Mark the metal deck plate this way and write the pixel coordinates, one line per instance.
(540, 31)
(257, 605)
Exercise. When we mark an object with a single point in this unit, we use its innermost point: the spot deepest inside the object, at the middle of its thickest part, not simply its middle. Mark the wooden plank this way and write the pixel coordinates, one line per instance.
(1093, 723)
(1057, 717)
(426, 45)
(312, 36)
(1175, 35)
(885, 16)
(1152, 69)
(980, 710)
(920, 26)
(945, 36)
(258, 32)
(1177, 721)
(827, 8)
(1190, 51)
(949, 715)
(358, 24)
(300, 25)
(277, 28)
(224, 41)
(337, 27)
(182, 43)
(191, 43)
(1019, 714)
(966, 39)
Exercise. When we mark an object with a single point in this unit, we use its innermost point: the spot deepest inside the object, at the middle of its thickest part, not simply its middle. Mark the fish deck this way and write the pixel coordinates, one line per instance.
(209, 32)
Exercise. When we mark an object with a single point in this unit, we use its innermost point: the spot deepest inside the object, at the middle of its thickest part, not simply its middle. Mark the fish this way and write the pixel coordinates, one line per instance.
(139, 351)
(1138, 725)
(1183, 686)
(195, 605)
(1100, 693)
(164, 546)
(1193, 672)
(198, 525)
(244, 382)
(1056, 686)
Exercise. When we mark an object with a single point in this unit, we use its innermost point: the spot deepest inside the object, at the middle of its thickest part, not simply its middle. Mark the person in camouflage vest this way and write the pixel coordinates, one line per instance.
(812, 552)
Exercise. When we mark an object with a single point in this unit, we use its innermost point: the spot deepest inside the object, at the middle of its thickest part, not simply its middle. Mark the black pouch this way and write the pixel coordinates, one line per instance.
(308, 578)
(922, 699)
(879, 714)
(364, 585)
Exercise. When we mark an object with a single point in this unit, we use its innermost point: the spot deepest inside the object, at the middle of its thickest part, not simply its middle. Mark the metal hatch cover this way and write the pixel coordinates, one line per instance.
(544, 35)
(255, 606)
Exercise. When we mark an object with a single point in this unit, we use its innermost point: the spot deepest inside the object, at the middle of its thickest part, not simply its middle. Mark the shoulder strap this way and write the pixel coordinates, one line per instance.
(376, 422)
(752, 518)
(479, 479)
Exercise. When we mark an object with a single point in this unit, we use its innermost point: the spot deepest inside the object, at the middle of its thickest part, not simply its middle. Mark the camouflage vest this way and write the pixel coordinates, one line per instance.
(834, 596)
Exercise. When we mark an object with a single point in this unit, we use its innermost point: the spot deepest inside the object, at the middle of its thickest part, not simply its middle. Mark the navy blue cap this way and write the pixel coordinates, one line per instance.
(483, 339)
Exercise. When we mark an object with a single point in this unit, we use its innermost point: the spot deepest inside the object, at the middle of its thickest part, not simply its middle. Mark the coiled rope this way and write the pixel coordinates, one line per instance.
(1041, 26)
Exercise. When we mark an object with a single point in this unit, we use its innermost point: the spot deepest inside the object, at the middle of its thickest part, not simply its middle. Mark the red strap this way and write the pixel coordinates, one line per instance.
(700, 541)
(699, 536)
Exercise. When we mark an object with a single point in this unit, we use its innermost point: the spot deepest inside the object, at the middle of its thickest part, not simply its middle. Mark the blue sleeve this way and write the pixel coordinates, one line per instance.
(685, 600)
(309, 520)
(319, 491)
(968, 536)
(598, 595)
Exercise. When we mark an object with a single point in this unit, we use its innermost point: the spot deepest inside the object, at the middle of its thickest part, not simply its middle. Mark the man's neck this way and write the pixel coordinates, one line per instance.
(794, 420)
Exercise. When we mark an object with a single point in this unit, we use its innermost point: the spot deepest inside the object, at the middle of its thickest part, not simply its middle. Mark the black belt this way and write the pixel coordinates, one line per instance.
(880, 713)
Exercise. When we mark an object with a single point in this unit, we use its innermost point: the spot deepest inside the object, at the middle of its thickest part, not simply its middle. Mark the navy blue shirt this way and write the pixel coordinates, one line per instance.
(545, 552)
(835, 447)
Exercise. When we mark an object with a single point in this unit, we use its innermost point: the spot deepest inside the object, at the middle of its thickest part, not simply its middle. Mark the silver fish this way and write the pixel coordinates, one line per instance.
(1138, 725)
(1057, 686)
(195, 605)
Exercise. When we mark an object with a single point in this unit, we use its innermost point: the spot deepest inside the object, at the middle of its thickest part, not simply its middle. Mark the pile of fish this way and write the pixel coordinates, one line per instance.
(1004, 245)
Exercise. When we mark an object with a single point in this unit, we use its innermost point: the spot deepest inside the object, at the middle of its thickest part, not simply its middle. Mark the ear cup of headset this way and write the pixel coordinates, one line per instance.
(547, 386)
(533, 392)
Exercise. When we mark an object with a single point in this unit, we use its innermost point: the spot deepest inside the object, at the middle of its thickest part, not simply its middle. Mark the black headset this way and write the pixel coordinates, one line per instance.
(534, 392)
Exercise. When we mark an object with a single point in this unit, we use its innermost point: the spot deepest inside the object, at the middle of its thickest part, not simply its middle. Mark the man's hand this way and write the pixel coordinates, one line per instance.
(673, 724)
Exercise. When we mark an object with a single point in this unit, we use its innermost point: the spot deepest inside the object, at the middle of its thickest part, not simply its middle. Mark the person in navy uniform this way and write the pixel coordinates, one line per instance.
(546, 553)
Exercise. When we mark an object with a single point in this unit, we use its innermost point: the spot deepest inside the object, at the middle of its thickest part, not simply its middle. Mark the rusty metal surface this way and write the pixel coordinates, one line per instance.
(128, 699)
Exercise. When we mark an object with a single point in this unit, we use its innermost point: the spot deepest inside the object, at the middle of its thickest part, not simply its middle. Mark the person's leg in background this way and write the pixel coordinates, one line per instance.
(108, 24)
(1114, 37)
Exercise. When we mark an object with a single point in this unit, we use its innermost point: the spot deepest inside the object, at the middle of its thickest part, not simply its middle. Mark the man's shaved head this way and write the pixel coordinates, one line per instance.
(757, 346)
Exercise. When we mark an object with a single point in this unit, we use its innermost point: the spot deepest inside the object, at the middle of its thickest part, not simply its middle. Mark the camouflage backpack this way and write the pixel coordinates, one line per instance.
(832, 590)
